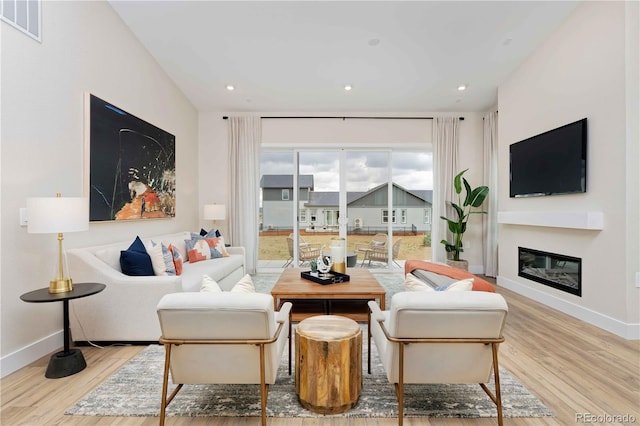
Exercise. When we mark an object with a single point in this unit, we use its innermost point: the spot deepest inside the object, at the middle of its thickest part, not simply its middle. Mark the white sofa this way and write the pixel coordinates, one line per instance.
(126, 310)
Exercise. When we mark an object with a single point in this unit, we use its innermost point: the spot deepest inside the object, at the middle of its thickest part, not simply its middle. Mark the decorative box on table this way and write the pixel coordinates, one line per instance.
(328, 278)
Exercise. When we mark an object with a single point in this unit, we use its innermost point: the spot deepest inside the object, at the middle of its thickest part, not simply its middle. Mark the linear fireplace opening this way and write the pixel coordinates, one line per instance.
(555, 270)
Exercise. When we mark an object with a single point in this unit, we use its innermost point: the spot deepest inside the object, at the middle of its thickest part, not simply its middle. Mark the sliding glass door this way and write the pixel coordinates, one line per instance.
(412, 176)
(318, 200)
(309, 196)
(276, 209)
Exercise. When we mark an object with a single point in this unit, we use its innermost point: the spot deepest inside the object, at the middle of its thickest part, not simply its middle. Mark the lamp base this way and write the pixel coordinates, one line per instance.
(63, 364)
(61, 285)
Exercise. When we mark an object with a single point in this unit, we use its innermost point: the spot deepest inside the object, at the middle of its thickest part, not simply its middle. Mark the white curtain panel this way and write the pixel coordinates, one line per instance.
(445, 167)
(490, 220)
(244, 163)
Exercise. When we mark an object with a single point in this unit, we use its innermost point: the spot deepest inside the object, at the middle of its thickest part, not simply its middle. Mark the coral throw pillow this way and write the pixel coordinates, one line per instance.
(177, 259)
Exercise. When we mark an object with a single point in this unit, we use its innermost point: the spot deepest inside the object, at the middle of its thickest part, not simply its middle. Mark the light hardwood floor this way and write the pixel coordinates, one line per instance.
(571, 366)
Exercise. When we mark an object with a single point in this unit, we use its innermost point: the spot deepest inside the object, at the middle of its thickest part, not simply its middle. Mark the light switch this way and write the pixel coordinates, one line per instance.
(23, 216)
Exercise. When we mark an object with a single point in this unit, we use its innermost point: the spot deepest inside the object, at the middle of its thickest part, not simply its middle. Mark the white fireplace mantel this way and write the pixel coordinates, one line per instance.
(573, 220)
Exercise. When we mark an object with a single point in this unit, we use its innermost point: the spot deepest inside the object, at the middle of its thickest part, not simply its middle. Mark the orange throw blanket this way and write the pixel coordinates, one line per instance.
(478, 283)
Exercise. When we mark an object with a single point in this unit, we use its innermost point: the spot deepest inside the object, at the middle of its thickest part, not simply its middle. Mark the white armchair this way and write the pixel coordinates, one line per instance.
(222, 338)
(440, 337)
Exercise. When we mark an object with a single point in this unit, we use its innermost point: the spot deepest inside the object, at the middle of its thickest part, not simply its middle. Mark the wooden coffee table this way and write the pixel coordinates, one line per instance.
(347, 299)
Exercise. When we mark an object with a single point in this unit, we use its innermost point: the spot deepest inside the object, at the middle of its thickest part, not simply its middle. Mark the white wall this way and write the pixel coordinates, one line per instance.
(85, 48)
(578, 72)
(315, 133)
(213, 164)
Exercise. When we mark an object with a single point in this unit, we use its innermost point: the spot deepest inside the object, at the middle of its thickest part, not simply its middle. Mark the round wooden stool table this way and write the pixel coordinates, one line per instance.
(328, 363)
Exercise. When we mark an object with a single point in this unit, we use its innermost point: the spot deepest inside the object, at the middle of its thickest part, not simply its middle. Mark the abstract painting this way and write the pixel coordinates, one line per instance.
(131, 166)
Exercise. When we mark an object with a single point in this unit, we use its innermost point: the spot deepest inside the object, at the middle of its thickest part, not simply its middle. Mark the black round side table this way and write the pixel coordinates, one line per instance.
(69, 361)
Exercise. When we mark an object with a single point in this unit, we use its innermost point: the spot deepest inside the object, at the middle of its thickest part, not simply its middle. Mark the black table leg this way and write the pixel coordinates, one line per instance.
(69, 361)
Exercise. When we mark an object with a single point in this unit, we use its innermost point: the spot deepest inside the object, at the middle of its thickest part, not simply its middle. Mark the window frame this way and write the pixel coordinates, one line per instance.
(385, 215)
(427, 216)
(403, 216)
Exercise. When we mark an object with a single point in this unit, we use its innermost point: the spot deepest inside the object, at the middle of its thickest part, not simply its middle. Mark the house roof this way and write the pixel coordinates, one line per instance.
(425, 194)
(331, 198)
(285, 181)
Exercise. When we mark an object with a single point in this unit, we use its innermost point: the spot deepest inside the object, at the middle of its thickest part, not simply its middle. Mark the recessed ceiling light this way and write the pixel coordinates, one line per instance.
(462, 87)
(231, 87)
(348, 87)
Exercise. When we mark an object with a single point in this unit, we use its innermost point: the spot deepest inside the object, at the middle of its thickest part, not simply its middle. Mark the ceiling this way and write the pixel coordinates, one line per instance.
(297, 56)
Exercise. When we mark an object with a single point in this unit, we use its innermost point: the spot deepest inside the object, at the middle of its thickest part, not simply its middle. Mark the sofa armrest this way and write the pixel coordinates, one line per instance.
(125, 310)
(241, 251)
(236, 250)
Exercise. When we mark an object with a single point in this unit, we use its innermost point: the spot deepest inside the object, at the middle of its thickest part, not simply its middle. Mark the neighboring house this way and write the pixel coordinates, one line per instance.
(277, 199)
(411, 209)
(366, 211)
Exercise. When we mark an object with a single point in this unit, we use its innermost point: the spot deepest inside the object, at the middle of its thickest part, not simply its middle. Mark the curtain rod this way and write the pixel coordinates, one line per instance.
(344, 118)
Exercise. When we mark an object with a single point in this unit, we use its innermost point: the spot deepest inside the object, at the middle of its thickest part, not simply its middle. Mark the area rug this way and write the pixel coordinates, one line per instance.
(135, 390)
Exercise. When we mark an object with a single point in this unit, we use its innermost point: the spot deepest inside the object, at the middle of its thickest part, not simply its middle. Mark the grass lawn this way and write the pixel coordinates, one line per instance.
(274, 247)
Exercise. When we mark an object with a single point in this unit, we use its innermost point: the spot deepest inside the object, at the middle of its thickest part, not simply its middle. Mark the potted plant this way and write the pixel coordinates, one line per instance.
(463, 210)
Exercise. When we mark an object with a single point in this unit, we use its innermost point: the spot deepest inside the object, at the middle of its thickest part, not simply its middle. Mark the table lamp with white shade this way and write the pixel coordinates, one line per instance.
(56, 215)
(214, 212)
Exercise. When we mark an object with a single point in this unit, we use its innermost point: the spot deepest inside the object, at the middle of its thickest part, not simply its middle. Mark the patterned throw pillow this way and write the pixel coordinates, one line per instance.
(198, 250)
(217, 244)
(194, 236)
(161, 259)
(177, 259)
(215, 234)
(168, 260)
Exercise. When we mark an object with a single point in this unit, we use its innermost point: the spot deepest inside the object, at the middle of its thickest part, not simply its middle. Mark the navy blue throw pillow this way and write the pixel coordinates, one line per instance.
(135, 261)
(210, 234)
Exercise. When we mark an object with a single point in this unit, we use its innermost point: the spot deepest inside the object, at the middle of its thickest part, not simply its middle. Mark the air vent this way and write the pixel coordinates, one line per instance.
(24, 15)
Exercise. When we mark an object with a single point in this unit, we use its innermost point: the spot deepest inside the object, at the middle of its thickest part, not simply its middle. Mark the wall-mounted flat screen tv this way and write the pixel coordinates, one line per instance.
(553, 162)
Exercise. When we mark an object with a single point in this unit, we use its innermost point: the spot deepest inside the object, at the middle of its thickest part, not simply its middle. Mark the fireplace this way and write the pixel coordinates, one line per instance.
(555, 270)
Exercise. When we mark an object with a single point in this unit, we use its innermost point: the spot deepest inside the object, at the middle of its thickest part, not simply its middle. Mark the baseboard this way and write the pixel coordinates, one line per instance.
(30, 353)
(627, 331)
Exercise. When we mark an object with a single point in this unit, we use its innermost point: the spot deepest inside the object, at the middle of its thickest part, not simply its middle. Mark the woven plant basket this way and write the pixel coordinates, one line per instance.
(460, 264)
